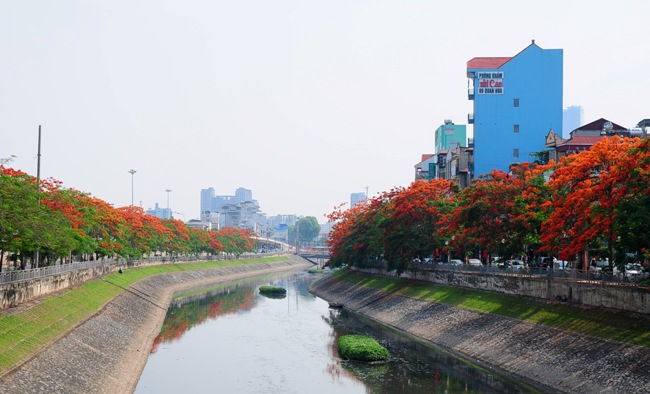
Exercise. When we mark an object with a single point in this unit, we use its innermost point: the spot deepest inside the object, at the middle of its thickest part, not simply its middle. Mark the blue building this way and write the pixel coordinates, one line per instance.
(517, 100)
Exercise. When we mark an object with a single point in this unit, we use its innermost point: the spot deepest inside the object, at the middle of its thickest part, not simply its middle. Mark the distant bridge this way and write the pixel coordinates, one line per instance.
(284, 247)
(319, 258)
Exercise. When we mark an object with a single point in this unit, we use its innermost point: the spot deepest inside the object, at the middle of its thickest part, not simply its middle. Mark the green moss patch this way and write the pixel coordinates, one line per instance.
(361, 348)
(273, 290)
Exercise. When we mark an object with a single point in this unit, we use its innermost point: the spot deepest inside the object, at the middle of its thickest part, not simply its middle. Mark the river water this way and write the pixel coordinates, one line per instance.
(231, 339)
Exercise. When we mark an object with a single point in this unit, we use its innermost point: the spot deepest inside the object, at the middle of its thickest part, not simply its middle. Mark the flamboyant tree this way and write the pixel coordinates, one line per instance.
(500, 213)
(587, 190)
(412, 228)
(633, 211)
(59, 223)
(234, 240)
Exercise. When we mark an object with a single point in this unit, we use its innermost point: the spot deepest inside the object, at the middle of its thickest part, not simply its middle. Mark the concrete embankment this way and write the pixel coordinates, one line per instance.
(552, 359)
(107, 353)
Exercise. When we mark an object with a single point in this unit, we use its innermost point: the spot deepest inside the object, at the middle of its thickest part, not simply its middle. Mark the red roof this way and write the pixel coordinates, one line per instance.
(426, 156)
(583, 140)
(487, 62)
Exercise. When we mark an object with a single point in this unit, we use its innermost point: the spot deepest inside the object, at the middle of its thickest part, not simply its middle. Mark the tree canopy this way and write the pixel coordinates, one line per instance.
(64, 224)
(596, 200)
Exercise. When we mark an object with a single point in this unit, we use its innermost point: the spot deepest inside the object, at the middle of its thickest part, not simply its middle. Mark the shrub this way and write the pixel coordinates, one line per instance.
(361, 348)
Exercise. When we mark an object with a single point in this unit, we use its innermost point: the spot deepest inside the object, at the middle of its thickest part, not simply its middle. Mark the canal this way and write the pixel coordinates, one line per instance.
(231, 339)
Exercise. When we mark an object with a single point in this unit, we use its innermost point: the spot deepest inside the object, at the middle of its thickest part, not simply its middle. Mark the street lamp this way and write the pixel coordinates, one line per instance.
(132, 171)
(168, 212)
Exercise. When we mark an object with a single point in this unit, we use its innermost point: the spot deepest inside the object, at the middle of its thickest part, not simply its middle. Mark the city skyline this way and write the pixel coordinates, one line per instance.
(303, 103)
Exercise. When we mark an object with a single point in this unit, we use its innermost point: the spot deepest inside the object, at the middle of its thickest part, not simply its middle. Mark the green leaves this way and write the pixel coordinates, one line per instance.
(60, 223)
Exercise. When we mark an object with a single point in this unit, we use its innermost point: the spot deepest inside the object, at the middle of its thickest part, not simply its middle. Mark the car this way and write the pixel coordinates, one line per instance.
(514, 264)
(635, 272)
(456, 262)
(474, 262)
(546, 262)
(562, 265)
(496, 260)
(599, 265)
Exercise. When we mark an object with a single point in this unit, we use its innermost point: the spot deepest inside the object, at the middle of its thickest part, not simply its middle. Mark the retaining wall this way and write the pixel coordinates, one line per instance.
(107, 353)
(591, 293)
(551, 359)
(15, 293)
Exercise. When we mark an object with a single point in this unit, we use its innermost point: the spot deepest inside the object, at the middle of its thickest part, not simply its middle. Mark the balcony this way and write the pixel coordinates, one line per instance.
(470, 118)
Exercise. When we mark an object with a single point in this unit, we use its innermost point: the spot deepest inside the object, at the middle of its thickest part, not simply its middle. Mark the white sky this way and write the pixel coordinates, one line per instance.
(303, 102)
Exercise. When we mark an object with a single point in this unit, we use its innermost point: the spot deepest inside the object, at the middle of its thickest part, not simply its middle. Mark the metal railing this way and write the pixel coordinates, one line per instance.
(17, 275)
(556, 274)
(12, 275)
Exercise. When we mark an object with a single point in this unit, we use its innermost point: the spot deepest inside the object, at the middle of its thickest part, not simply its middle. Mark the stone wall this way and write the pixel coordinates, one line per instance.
(15, 293)
(591, 293)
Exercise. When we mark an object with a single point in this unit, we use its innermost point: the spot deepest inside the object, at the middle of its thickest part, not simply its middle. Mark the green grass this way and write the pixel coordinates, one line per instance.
(273, 290)
(608, 324)
(361, 348)
(25, 330)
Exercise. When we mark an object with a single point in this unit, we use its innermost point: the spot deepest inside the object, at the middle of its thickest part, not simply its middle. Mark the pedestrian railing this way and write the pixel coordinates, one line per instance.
(554, 274)
(17, 275)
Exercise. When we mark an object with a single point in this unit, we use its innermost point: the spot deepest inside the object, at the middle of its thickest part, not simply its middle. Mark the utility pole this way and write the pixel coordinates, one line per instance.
(132, 171)
(168, 211)
(38, 186)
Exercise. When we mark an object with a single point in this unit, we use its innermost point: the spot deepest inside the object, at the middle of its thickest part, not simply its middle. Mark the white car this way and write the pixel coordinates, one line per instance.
(475, 262)
(514, 264)
(456, 262)
(635, 272)
(561, 265)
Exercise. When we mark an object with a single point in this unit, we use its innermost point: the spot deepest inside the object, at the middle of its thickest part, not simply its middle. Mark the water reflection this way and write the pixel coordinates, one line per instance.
(190, 311)
(413, 367)
(233, 338)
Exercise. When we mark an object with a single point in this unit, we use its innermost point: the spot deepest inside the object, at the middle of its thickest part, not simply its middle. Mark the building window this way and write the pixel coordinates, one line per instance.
(516, 128)
(516, 102)
(515, 153)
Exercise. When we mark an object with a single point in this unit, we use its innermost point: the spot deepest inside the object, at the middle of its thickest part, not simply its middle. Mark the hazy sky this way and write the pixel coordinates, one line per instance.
(303, 102)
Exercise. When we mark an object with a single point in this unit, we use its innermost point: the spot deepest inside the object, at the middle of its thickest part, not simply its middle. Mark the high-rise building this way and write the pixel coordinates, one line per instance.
(207, 195)
(517, 100)
(572, 118)
(162, 213)
(242, 195)
(229, 210)
(356, 198)
(450, 135)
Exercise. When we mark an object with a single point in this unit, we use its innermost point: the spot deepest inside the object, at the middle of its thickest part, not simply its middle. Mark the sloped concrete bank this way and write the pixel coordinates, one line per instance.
(107, 352)
(554, 360)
